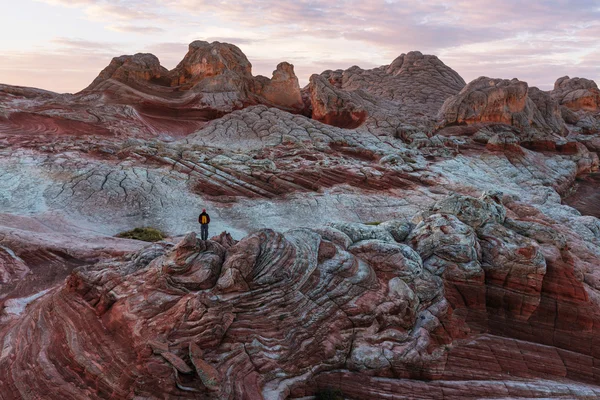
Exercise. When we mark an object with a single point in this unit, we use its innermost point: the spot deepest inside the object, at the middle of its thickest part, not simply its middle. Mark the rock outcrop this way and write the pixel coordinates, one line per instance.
(271, 315)
(501, 101)
(215, 78)
(549, 116)
(411, 89)
(580, 102)
(220, 63)
(136, 70)
(282, 89)
(334, 106)
(577, 94)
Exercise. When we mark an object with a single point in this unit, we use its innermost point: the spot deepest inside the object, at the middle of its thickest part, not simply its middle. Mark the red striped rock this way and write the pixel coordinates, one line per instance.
(290, 309)
(491, 291)
(207, 373)
(177, 362)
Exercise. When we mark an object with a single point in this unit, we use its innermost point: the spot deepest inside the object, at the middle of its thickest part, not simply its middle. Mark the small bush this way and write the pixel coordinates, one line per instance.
(375, 223)
(329, 394)
(145, 234)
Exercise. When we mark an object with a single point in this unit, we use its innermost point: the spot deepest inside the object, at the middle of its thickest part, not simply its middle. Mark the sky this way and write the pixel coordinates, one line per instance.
(62, 45)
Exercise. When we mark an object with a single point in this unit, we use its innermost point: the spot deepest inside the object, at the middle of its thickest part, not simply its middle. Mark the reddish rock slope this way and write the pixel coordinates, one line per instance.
(478, 294)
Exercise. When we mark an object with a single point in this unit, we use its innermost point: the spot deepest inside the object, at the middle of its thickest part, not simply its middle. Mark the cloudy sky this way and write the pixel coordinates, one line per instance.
(61, 45)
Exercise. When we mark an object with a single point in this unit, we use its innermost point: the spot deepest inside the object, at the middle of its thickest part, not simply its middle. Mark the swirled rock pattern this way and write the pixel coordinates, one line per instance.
(274, 314)
(386, 232)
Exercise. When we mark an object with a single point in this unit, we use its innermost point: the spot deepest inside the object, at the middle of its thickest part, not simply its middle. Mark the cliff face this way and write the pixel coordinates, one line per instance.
(391, 230)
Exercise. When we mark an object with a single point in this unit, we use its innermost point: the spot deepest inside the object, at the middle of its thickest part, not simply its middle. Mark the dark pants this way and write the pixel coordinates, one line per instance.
(204, 231)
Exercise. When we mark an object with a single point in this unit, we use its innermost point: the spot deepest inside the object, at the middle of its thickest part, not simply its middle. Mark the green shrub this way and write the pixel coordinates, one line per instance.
(146, 234)
(375, 223)
(329, 394)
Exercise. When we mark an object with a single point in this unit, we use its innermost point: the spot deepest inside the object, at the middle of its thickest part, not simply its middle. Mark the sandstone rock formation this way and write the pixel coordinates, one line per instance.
(211, 80)
(371, 250)
(132, 70)
(205, 60)
(577, 93)
(580, 102)
(502, 101)
(269, 315)
(411, 88)
(334, 106)
(282, 89)
(134, 96)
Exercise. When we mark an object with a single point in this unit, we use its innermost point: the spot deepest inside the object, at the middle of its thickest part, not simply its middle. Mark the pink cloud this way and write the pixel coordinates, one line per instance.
(535, 41)
(136, 29)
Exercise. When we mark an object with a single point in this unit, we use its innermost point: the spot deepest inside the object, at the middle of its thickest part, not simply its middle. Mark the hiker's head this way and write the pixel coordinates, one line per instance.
(204, 210)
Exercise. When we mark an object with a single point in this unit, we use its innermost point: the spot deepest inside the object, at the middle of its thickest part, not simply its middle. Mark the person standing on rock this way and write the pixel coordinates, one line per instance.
(204, 220)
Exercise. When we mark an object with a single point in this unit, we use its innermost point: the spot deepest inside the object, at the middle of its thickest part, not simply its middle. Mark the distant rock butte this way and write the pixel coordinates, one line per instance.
(502, 101)
(132, 70)
(413, 85)
(212, 76)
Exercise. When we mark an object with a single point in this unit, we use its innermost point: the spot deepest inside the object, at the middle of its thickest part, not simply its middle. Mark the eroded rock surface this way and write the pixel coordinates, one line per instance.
(371, 249)
(577, 93)
(503, 101)
(273, 314)
(410, 90)
(580, 102)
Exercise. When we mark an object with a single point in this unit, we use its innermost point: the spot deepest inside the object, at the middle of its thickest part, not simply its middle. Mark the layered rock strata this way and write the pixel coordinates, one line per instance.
(286, 315)
(392, 231)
